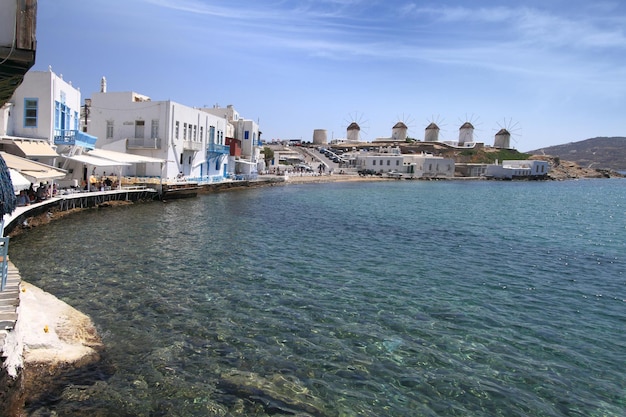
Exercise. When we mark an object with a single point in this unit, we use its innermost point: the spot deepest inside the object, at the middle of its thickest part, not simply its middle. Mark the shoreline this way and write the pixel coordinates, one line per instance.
(59, 346)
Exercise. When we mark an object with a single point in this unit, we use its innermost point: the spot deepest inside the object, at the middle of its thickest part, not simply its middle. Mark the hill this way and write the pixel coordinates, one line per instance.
(600, 152)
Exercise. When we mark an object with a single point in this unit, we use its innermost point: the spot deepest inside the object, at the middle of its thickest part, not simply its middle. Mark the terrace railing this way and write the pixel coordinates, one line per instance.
(72, 137)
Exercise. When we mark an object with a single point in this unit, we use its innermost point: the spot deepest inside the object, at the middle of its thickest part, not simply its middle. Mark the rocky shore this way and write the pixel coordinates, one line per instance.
(568, 170)
(50, 339)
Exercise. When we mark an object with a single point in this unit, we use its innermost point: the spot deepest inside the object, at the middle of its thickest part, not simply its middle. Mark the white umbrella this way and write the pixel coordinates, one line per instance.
(19, 181)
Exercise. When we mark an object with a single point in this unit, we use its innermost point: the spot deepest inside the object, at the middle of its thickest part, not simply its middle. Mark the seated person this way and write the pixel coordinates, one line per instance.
(22, 199)
(41, 192)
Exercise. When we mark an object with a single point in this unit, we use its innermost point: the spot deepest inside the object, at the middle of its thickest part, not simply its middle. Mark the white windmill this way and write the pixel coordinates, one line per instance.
(502, 138)
(431, 133)
(356, 123)
(400, 130)
(466, 131)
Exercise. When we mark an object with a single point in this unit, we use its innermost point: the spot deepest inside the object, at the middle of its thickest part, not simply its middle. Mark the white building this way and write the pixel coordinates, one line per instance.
(245, 135)
(41, 121)
(189, 141)
(518, 169)
(409, 165)
(41, 116)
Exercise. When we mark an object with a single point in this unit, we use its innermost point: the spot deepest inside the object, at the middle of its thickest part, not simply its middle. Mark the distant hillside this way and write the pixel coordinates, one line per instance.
(599, 152)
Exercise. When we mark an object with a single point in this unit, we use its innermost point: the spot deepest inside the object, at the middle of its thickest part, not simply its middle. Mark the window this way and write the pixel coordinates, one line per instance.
(374, 162)
(177, 130)
(195, 133)
(246, 134)
(388, 162)
(109, 129)
(57, 115)
(154, 131)
(184, 131)
(212, 134)
(201, 133)
(139, 129)
(62, 116)
(30, 112)
(397, 162)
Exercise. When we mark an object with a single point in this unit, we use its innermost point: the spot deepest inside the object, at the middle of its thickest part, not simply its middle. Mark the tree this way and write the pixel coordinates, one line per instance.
(268, 155)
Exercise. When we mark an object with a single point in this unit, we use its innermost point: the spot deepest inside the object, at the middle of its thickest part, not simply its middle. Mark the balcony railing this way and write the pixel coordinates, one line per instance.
(74, 138)
(189, 145)
(216, 148)
(143, 143)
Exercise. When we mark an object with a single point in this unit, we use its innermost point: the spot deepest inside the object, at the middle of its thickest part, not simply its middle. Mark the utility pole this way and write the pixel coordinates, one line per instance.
(86, 111)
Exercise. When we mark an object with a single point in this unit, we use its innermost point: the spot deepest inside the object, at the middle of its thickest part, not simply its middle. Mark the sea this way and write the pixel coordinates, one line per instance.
(399, 298)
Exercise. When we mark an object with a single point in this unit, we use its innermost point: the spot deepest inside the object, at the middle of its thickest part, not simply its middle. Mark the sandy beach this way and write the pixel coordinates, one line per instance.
(307, 178)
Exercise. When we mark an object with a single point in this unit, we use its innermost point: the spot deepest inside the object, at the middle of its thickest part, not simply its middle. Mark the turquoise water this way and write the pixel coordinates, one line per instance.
(402, 298)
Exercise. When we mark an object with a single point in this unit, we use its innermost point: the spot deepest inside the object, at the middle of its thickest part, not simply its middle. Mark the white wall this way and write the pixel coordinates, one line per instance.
(47, 87)
(123, 110)
(417, 166)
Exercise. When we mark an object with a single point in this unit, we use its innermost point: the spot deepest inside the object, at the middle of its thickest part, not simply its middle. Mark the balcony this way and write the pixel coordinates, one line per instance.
(189, 145)
(219, 149)
(143, 143)
(69, 137)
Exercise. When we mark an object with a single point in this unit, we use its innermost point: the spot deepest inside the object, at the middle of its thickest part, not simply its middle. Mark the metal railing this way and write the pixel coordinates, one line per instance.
(4, 252)
(143, 143)
(189, 145)
(218, 149)
(72, 137)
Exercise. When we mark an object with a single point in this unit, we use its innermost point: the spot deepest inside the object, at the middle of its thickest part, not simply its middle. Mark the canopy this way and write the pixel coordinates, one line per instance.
(33, 148)
(243, 161)
(34, 171)
(126, 158)
(95, 161)
(19, 181)
(199, 163)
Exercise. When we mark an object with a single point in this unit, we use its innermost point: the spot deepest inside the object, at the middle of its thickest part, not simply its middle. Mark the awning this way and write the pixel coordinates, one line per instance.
(34, 171)
(95, 161)
(123, 157)
(35, 148)
(19, 181)
(199, 163)
(243, 161)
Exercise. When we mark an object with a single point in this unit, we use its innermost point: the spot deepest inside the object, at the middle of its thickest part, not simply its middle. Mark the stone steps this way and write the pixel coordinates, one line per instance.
(9, 301)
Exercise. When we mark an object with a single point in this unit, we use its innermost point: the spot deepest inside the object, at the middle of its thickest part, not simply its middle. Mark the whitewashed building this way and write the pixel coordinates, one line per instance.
(391, 161)
(41, 118)
(41, 121)
(511, 169)
(191, 142)
(245, 136)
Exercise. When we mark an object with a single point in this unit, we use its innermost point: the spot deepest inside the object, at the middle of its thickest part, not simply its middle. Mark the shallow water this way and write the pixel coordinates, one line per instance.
(348, 299)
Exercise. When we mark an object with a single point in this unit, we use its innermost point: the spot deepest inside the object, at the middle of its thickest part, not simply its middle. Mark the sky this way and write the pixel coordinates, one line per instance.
(550, 71)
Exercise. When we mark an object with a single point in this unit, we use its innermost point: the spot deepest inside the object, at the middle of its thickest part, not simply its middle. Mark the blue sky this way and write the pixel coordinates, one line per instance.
(554, 71)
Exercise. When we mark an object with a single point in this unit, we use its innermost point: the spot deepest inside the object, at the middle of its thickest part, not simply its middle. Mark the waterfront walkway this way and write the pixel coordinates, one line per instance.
(75, 200)
(10, 296)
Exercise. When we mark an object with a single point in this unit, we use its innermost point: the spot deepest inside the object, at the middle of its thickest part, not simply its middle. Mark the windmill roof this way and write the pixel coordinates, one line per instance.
(400, 125)
(354, 126)
(503, 132)
(466, 125)
(432, 126)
